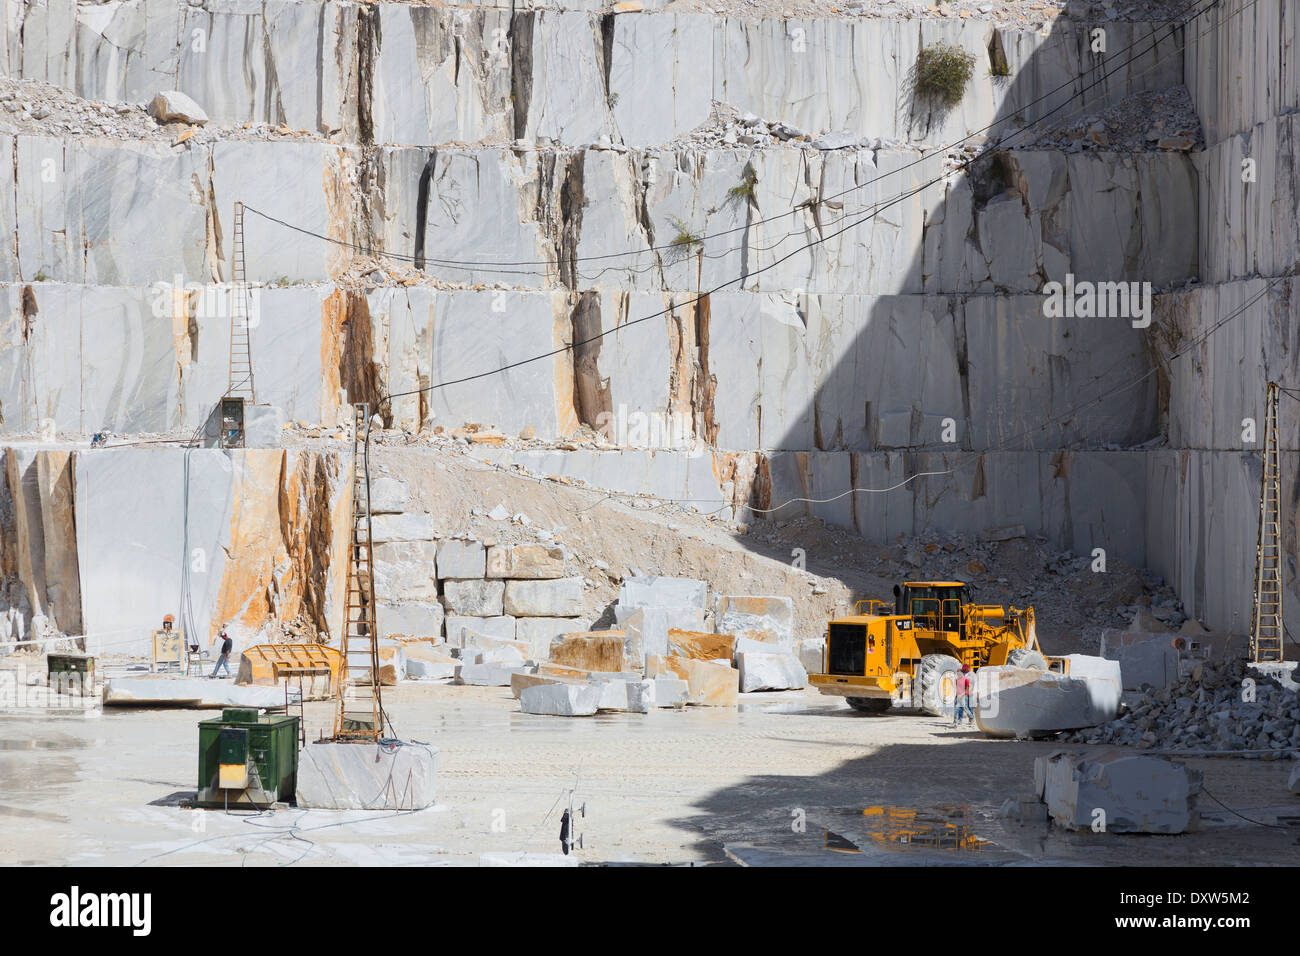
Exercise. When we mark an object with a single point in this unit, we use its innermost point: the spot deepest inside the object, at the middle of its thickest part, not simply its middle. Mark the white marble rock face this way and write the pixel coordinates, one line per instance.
(651, 591)
(476, 598)
(671, 692)
(411, 527)
(1149, 659)
(187, 692)
(1027, 702)
(760, 671)
(145, 497)
(461, 559)
(461, 74)
(559, 597)
(417, 619)
(458, 626)
(1124, 791)
(429, 670)
(629, 696)
(82, 215)
(388, 496)
(561, 700)
(347, 777)
(485, 675)
(953, 272)
(538, 632)
(771, 618)
(405, 570)
(647, 627)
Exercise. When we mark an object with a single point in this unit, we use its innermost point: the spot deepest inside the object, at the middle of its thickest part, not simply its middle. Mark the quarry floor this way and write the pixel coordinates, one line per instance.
(782, 780)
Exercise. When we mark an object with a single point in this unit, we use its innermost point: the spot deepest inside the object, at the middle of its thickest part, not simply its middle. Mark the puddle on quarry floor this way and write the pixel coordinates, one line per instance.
(910, 830)
(896, 829)
(886, 835)
(951, 835)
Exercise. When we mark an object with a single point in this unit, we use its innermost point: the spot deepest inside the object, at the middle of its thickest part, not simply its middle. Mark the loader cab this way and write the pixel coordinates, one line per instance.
(933, 605)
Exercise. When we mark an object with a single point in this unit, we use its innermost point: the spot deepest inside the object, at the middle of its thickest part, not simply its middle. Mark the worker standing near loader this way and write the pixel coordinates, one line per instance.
(223, 660)
(963, 702)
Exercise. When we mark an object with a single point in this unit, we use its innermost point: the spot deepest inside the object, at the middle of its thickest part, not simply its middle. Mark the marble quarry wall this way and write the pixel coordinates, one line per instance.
(1203, 494)
(103, 542)
(843, 346)
(409, 74)
(94, 358)
(107, 213)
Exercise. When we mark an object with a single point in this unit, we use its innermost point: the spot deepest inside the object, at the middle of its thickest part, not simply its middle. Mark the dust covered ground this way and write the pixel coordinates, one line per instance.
(784, 779)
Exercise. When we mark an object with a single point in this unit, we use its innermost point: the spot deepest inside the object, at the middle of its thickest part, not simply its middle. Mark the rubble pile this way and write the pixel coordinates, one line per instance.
(1004, 12)
(1149, 120)
(1073, 604)
(1219, 707)
(35, 106)
(728, 127)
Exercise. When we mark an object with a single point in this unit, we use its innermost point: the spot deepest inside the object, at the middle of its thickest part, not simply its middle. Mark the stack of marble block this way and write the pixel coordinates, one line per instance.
(668, 650)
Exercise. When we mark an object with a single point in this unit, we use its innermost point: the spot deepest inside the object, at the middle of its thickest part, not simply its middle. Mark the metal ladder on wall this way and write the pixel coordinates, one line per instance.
(240, 382)
(1266, 615)
(361, 712)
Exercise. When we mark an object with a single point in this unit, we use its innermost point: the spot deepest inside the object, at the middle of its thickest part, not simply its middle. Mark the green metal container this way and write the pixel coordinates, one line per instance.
(246, 759)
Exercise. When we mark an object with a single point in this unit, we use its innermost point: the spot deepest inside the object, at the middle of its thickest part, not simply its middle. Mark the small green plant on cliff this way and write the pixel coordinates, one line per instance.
(942, 72)
(685, 240)
(743, 192)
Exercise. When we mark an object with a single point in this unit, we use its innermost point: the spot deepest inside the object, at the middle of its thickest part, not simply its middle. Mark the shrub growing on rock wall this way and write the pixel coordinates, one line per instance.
(744, 193)
(942, 72)
(686, 240)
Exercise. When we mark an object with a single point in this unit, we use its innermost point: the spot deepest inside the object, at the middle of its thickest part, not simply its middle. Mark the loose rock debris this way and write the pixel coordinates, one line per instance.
(1220, 707)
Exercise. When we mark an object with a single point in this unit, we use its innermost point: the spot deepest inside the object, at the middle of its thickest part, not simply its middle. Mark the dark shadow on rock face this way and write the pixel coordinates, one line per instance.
(962, 372)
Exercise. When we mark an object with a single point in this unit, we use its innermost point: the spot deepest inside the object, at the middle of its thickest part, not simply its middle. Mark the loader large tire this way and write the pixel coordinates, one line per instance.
(1027, 657)
(869, 705)
(937, 677)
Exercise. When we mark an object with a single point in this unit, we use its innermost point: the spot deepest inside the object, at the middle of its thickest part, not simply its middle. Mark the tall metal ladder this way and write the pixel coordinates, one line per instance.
(1266, 626)
(361, 712)
(240, 382)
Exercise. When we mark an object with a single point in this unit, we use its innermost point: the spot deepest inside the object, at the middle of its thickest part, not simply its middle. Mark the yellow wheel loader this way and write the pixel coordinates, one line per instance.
(910, 653)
